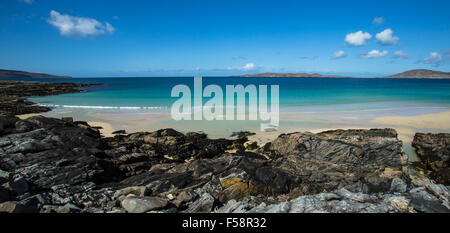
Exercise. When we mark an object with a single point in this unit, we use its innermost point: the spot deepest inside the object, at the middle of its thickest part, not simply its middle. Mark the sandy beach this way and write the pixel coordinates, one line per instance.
(25, 116)
(406, 126)
(106, 128)
(439, 120)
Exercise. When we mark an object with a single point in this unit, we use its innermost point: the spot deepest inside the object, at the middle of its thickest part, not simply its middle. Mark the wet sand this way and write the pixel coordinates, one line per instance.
(25, 116)
(439, 120)
(406, 126)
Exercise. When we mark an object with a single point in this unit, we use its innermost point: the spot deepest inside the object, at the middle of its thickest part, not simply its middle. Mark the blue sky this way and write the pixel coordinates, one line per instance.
(214, 37)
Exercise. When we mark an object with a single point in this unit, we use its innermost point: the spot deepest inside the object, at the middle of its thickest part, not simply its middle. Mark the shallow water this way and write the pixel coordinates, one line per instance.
(143, 104)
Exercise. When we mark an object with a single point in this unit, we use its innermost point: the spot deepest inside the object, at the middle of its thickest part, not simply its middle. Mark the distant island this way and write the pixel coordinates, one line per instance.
(418, 73)
(421, 73)
(295, 75)
(24, 74)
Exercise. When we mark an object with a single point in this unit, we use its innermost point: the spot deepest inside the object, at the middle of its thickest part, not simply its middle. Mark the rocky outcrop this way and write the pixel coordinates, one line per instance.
(13, 93)
(434, 152)
(65, 166)
(344, 201)
(358, 160)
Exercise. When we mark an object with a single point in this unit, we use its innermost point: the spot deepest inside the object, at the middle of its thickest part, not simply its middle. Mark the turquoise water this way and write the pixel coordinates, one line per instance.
(305, 103)
(306, 94)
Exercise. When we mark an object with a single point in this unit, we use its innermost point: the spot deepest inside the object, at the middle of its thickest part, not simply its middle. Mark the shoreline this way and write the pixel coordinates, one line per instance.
(346, 164)
(405, 125)
(406, 121)
(167, 165)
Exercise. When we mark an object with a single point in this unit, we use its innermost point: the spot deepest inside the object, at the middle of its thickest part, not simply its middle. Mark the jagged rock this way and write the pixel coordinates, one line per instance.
(358, 160)
(7, 123)
(434, 152)
(14, 207)
(242, 134)
(438, 190)
(37, 201)
(423, 201)
(203, 204)
(135, 190)
(119, 132)
(68, 208)
(251, 145)
(401, 203)
(19, 185)
(92, 210)
(12, 93)
(135, 204)
(67, 119)
(342, 201)
(70, 165)
(398, 185)
(4, 177)
(4, 195)
(184, 197)
(359, 197)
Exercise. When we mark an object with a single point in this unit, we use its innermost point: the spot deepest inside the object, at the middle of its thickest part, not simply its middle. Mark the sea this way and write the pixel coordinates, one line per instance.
(295, 94)
(305, 104)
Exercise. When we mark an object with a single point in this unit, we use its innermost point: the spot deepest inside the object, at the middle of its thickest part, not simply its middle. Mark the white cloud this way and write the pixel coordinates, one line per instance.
(378, 20)
(357, 38)
(401, 54)
(249, 66)
(73, 26)
(385, 37)
(339, 54)
(246, 67)
(374, 53)
(438, 59)
(434, 58)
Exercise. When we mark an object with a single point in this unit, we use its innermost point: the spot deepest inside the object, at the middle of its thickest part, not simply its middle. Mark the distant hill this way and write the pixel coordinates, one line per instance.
(23, 74)
(421, 73)
(296, 75)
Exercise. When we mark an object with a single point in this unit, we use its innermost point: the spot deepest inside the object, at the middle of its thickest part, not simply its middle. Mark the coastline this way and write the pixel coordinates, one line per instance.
(299, 121)
(406, 126)
(367, 160)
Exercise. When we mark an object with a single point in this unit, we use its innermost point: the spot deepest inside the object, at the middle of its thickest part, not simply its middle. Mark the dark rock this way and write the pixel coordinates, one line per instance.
(119, 132)
(14, 207)
(134, 204)
(398, 185)
(19, 185)
(68, 208)
(135, 190)
(242, 134)
(204, 204)
(434, 152)
(68, 167)
(7, 123)
(251, 145)
(12, 95)
(68, 119)
(428, 206)
(358, 160)
(424, 201)
(5, 195)
(183, 198)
